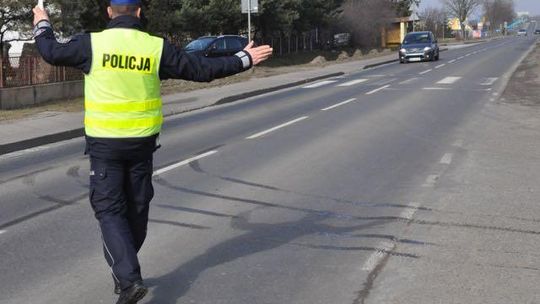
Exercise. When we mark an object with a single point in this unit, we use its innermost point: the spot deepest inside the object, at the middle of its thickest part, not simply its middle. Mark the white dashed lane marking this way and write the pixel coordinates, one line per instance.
(425, 72)
(183, 163)
(339, 104)
(489, 81)
(440, 66)
(320, 84)
(408, 80)
(351, 83)
(447, 159)
(277, 128)
(2, 231)
(449, 80)
(452, 61)
(377, 90)
(435, 89)
(431, 181)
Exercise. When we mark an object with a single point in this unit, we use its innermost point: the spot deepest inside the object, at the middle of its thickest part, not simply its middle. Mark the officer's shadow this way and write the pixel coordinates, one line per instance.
(259, 237)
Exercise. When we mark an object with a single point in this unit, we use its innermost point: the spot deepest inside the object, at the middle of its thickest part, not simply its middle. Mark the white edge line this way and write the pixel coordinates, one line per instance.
(377, 90)
(376, 257)
(339, 104)
(425, 72)
(183, 163)
(409, 213)
(277, 127)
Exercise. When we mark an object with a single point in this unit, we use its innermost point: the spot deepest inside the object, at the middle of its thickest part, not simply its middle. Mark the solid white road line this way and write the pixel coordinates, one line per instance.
(319, 84)
(440, 66)
(339, 104)
(183, 163)
(351, 83)
(425, 72)
(277, 128)
(452, 61)
(376, 257)
(447, 159)
(377, 90)
(449, 80)
(489, 81)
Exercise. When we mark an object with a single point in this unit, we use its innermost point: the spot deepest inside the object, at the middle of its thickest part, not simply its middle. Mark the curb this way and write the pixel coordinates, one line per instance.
(79, 132)
(234, 98)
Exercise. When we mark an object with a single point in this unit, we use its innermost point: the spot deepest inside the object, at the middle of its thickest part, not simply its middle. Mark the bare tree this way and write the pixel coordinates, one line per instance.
(365, 19)
(462, 9)
(499, 11)
(434, 20)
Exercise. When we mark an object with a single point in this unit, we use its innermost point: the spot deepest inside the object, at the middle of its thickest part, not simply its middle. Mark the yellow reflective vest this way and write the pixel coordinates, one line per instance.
(122, 90)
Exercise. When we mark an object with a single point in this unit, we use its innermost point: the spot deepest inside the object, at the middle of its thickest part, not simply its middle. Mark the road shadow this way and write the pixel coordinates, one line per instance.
(258, 237)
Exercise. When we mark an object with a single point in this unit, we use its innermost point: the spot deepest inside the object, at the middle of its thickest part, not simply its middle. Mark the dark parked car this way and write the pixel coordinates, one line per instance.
(537, 32)
(419, 46)
(216, 46)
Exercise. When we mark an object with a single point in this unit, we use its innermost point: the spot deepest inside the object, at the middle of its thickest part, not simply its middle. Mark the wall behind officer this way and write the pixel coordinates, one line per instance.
(123, 67)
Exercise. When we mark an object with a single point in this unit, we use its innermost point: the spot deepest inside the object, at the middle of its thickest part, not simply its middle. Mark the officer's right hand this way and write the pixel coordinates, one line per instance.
(260, 53)
(39, 15)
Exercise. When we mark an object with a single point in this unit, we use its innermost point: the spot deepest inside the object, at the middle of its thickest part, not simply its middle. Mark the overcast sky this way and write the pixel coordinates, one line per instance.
(531, 6)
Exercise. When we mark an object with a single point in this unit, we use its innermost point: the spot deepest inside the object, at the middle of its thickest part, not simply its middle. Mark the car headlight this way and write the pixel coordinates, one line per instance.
(403, 51)
(427, 49)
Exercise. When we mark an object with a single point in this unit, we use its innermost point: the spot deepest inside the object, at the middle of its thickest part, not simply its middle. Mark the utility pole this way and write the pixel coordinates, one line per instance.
(249, 7)
(249, 20)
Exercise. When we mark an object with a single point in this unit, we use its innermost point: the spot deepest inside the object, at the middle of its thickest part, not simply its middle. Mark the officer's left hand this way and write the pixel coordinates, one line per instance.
(39, 14)
(260, 53)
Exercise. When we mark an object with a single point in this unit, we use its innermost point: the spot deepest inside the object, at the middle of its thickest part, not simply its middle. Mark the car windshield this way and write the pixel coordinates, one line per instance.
(199, 44)
(417, 38)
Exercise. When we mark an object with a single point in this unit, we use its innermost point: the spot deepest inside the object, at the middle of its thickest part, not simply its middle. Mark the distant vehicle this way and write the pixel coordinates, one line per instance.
(217, 46)
(522, 32)
(419, 46)
(537, 32)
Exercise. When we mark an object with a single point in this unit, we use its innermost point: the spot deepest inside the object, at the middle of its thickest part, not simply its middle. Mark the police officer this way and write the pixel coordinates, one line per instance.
(123, 67)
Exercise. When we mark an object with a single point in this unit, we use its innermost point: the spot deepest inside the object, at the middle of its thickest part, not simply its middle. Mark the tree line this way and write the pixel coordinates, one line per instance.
(187, 19)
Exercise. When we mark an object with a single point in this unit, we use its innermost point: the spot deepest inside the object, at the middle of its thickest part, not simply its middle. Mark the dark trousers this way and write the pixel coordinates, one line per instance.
(120, 194)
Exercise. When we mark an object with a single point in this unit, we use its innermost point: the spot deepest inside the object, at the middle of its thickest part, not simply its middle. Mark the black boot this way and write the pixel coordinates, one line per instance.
(133, 294)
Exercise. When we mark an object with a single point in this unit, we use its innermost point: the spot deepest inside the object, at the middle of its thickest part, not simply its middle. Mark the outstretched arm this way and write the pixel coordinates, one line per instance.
(75, 53)
(181, 65)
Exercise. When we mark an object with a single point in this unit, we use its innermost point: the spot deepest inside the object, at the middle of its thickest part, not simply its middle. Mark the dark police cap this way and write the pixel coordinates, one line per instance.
(125, 2)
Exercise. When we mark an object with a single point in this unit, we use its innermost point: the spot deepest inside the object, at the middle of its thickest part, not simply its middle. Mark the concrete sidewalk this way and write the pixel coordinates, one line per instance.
(50, 127)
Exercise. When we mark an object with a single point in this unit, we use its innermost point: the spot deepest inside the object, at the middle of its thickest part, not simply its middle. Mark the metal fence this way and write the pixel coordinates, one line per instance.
(27, 71)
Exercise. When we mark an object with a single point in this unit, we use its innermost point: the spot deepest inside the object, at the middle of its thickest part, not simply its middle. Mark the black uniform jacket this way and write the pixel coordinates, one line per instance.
(175, 64)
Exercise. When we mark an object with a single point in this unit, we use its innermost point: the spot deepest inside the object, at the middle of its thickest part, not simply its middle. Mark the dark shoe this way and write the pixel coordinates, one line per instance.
(117, 288)
(133, 294)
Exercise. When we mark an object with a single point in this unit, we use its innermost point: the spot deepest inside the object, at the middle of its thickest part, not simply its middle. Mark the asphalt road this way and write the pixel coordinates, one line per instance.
(293, 197)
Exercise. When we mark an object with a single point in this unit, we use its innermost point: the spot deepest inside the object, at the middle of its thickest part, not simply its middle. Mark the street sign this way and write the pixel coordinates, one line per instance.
(246, 6)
